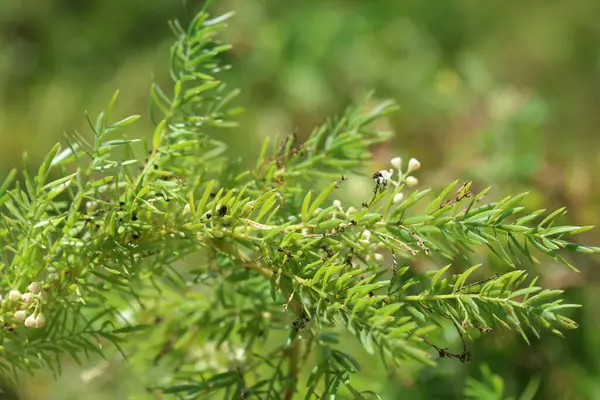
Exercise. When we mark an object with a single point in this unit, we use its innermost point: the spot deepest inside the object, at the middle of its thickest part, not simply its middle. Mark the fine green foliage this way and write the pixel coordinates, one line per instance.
(491, 387)
(93, 244)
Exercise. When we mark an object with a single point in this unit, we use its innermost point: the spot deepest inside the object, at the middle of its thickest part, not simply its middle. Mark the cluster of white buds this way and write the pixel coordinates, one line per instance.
(91, 206)
(31, 299)
(32, 321)
(370, 246)
(411, 181)
(337, 204)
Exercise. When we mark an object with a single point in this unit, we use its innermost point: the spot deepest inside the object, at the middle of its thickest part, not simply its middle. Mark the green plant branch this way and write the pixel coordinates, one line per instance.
(83, 248)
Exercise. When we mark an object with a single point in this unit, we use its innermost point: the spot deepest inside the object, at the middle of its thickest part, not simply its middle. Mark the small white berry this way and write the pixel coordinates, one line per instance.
(396, 162)
(378, 257)
(27, 297)
(30, 321)
(20, 315)
(34, 287)
(398, 198)
(411, 181)
(14, 295)
(413, 165)
(40, 321)
(337, 204)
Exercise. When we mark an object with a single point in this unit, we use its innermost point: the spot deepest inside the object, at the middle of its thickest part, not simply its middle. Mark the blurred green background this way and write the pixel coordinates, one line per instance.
(503, 93)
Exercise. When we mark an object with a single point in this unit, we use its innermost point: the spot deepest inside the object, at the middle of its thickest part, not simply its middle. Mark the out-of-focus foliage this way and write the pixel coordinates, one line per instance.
(491, 91)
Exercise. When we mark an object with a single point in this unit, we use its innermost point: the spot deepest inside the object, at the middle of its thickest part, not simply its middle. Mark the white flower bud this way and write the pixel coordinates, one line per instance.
(398, 198)
(411, 181)
(396, 162)
(350, 211)
(239, 354)
(337, 203)
(366, 235)
(413, 165)
(364, 242)
(91, 205)
(40, 321)
(187, 209)
(34, 287)
(53, 276)
(30, 321)
(20, 315)
(14, 295)
(317, 211)
(378, 257)
(27, 297)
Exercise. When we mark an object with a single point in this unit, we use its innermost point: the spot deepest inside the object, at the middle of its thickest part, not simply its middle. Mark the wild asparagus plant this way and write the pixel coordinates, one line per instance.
(92, 244)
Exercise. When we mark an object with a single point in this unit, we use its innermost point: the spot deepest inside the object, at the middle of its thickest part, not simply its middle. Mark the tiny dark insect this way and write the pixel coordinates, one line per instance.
(301, 322)
(222, 211)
